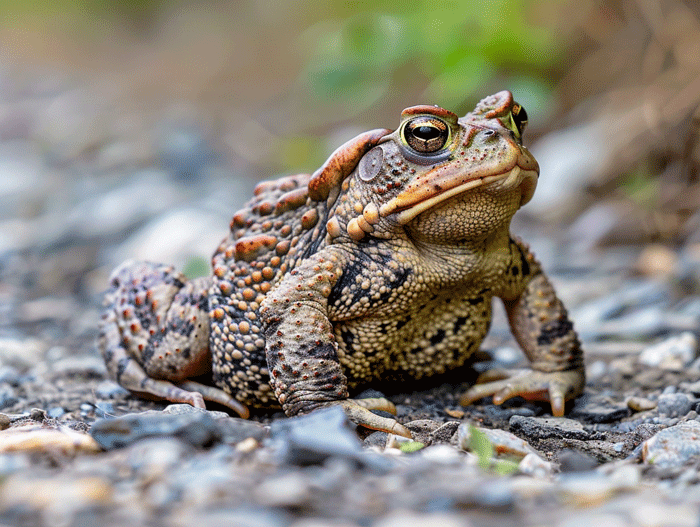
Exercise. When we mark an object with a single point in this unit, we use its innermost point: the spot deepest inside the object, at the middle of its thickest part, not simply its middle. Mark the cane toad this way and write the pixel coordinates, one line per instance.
(381, 264)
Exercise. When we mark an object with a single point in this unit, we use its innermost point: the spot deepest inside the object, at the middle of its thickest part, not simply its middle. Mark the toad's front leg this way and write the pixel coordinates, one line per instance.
(542, 327)
(154, 334)
(302, 353)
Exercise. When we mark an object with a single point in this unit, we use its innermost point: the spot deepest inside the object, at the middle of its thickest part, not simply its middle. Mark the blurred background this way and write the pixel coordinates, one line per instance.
(135, 129)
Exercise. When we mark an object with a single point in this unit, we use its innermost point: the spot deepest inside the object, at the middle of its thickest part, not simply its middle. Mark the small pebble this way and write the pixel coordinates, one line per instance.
(596, 370)
(55, 412)
(9, 375)
(674, 353)
(110, 390)
(247, 445)
(656, 259)
(34, 438)
(285, 490)
(657, 514)
(8, 396)
(441, 454)
(57, 497)
(507, 356)
(675, 404)
(533, 465)
(457, 414)
(587, 489)
(156, 457)
(405, 518)
(586, 519)
(575, 461)
(640, 404)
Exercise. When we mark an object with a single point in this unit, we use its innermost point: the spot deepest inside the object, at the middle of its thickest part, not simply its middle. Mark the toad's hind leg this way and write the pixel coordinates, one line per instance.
(154, 334)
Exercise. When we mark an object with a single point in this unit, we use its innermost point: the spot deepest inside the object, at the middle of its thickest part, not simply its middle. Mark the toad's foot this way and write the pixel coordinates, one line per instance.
(190, 392)
(557, 387)
(215, 395)
(359, 412)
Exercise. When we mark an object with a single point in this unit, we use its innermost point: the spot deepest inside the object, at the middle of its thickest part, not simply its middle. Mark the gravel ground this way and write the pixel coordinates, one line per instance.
(78, 195)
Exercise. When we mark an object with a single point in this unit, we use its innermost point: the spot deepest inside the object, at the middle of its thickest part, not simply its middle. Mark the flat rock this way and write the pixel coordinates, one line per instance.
(313, 438)
(673, 446)
(549, 427)
(672, 353)
(40, 439)
(197, 428)
(598, 409)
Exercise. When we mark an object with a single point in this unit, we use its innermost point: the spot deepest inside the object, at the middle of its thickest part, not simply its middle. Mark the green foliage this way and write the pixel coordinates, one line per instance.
(411, 446)
(196, 267)
(454, 47)
(481, 446)
(642, 186)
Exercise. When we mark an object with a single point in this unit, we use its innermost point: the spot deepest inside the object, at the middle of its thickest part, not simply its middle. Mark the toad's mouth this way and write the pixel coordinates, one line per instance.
(411, 202)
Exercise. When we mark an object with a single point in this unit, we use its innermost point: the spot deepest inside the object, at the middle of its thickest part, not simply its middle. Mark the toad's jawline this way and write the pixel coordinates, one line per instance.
(516, 175)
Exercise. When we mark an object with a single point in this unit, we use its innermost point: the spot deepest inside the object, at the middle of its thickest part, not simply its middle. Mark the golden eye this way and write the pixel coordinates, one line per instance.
(519, 117)
(426, 134)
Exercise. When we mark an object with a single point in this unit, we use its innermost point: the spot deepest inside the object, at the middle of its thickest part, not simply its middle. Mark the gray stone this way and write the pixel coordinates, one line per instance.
(440, 519)
(10, 375)
(156, 456)
(292, 489)
(645, 322)
(548, 427)
(674, 446)
(110, 390)
(55, 412)
(233, 429)
(575, 461)
(88, 365)
(311, 439)
(197, 429)
(675, 404)
(598, 409)
(8, 396)
(247, 516)
(119, 209)
(183, 149)
(693, 388)
(673, 353)
(175, 237)
(22, 353)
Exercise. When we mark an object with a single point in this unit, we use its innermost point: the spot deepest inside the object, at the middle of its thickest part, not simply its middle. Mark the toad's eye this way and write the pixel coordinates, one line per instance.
(519, 117)
(426, 134)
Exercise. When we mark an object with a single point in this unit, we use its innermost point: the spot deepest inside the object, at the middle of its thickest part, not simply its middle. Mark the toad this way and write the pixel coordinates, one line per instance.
(381, 265)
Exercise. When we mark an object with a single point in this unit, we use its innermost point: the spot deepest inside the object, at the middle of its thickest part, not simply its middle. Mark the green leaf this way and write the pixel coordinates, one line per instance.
(411, 446)
(504, 467)
(480, 445)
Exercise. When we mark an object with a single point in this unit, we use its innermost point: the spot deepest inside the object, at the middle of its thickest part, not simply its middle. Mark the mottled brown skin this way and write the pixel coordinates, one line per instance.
(380, 265)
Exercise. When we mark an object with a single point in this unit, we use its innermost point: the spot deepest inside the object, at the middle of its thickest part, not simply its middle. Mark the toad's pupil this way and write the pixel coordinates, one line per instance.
(426, 132)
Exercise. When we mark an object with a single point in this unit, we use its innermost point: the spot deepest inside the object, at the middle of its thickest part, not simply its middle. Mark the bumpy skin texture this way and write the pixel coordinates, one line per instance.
(380, 265)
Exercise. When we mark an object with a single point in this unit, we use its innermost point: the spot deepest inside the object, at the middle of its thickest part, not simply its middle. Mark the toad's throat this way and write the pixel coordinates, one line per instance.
(408, 205)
